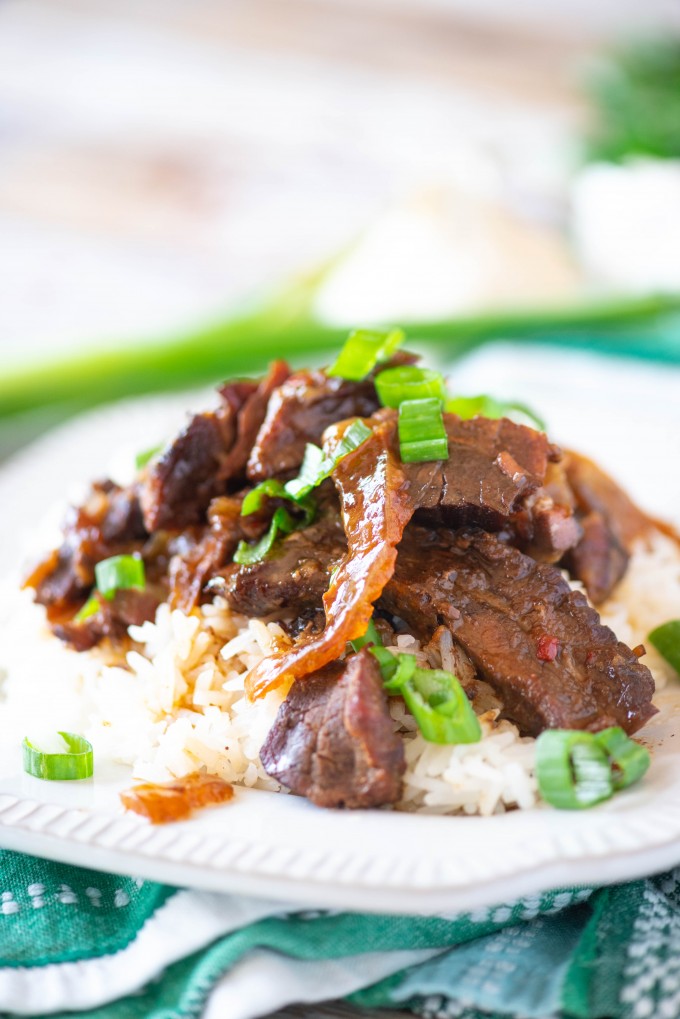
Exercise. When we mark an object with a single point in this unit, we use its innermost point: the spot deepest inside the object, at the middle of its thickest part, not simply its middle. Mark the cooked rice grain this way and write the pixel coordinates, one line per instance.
(179, 705)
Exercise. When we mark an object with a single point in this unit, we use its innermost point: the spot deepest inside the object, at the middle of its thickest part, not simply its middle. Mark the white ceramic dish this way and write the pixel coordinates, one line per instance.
(281, 846)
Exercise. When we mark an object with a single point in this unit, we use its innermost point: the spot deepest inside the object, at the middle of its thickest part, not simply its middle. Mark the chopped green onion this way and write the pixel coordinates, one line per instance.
(370, 637)
(486, 406)
(119, 573)
(572, 769)
(143, 458)
(434, 697)
(406, 382)
(90, 608)
(666, 640)
(273, 489)
(422, 435)
(317, 466)
(282, 523)
(363, 349)
(628, 760)
(74, 762)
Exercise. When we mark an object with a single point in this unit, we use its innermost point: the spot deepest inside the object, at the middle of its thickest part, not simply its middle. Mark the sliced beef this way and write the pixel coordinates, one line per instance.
(610, 523)
(299, 412)
(211, 452)
(333, 740)
(493, 467)
(201, 553)
(295, 577)
(108, 523)
(376, 507)
(538, 643)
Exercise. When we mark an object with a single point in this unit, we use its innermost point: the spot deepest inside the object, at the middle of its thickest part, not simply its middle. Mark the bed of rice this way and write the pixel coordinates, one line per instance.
(179, 704)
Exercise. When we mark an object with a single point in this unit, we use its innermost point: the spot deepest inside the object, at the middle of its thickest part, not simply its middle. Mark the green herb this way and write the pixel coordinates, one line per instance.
(434, 697)
(422, 435)
(317, 466)
(75, 762)
(273, 489)
(666, 640)
(90, 608)
(119, 573)
(363, 349)
(407, 382)
(142, 459)
(486, 406)
(282, 523)
(577, 769)
(629, 761)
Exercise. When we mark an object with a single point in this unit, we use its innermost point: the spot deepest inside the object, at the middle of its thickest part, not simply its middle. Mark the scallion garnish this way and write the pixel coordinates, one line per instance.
(577, 769)
(629, 761)
(434, 697)
(363, 349)
(119, 573)
(487, 406)
(143, 458)
(666, 640)
(316, 467)
(407, 382)
(90, 608)
(273, 489)
(75, 761)
(422, 434)
(282, 523)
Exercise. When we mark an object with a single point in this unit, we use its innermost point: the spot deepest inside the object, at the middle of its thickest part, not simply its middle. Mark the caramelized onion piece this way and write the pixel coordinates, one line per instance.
(176, 800)
(376, 507)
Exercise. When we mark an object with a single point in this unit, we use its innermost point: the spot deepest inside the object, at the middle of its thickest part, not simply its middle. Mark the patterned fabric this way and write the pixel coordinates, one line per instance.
(75, 942)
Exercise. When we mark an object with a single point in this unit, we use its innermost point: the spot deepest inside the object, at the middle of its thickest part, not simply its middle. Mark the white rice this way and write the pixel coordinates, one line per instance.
(179, 705)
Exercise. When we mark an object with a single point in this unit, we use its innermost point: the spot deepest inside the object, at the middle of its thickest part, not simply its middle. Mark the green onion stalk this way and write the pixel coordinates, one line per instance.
(245, 342)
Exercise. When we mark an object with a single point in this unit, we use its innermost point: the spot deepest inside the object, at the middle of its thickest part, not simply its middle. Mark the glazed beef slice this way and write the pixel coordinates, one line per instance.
(537, 642)
(333, 740)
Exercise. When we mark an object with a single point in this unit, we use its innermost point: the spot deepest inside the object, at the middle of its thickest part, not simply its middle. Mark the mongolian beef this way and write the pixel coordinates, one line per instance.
(305, 499)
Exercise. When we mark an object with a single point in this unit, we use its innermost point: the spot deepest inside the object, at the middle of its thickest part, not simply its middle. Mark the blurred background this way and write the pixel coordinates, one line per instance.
(166, 165)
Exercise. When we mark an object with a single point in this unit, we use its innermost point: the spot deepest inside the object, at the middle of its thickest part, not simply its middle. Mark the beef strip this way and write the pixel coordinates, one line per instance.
(493, 466)
(211, 452)
(537, 642)
(610, 523)
(299, 412)
(333, 740)
(108, 523)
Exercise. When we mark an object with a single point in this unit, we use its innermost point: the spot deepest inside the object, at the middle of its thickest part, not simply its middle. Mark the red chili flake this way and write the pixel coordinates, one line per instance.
(639, 650)
(547, 648)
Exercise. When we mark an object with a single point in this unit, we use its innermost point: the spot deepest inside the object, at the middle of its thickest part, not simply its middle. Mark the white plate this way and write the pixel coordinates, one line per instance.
(281, 846)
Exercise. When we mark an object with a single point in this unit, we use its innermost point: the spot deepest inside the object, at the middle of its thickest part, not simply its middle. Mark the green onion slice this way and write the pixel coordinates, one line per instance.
(74, 762)
(628, 760)
(434, 697)
(317, 466)
(406, 382)
(273, 489)
(422, 435)
(487, 406)
(363, 349)
(119, 573)
(90, 608)
(282, 523)
(572, 769)
(666, 640)
(143, 458)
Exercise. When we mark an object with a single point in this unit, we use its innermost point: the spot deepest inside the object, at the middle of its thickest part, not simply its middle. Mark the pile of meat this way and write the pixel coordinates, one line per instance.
(476, 544)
